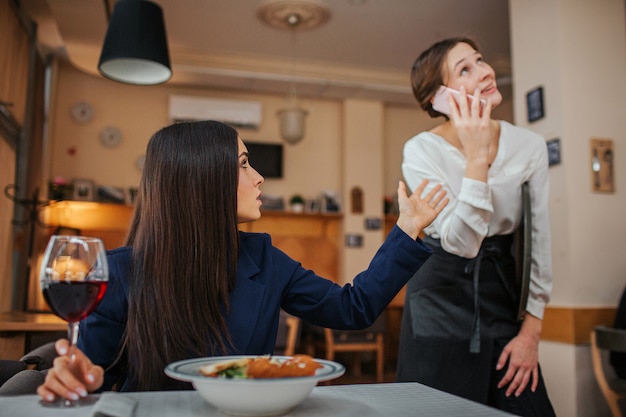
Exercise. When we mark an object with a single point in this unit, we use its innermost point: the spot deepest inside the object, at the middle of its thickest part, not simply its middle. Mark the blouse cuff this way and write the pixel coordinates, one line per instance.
(536, 308)
(476, 194)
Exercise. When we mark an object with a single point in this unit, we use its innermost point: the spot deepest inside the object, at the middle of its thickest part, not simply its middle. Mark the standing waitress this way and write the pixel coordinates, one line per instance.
(461, 331)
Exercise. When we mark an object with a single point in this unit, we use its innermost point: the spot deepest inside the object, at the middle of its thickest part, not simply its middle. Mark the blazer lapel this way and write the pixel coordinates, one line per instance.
(245, 303)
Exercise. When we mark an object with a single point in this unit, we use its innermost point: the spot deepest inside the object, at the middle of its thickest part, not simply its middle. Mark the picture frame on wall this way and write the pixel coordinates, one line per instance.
(554, 151)
(83, 190)
(534, 104)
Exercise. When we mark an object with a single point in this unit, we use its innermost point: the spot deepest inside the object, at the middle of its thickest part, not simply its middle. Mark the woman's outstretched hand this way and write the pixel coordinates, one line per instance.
(417, 212)
(72, 376)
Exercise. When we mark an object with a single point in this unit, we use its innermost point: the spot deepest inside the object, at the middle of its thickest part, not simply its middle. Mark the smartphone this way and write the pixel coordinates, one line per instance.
(441, 104)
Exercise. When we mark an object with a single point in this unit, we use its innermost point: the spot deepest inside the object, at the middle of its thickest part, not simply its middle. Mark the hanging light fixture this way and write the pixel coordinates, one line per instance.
(135, 46)
(293, 15)
(292, 123)
(292, 117)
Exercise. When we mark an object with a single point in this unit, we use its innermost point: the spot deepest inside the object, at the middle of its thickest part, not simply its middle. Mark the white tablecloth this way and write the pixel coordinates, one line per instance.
(359, 400)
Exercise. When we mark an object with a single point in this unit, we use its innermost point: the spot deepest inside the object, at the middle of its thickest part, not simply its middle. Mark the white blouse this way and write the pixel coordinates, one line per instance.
(477, 210)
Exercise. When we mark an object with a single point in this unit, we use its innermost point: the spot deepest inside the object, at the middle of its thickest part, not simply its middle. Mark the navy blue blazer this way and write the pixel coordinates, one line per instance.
(267, 280)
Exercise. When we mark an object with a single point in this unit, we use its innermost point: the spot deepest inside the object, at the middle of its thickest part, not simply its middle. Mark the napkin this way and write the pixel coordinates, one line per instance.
(111, 404)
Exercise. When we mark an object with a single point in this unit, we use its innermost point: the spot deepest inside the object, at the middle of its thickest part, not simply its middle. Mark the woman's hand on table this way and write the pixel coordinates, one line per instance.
(72, 376)
(417, 212)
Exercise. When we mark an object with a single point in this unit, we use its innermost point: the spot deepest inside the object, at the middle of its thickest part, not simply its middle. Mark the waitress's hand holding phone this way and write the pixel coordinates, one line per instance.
(470, 117)
(443, 104)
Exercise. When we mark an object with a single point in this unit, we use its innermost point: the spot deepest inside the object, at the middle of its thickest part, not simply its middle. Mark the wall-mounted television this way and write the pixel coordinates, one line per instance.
(266, 158)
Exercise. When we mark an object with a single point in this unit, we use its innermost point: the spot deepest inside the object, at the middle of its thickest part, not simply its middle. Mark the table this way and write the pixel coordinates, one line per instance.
(15, 325)
(363, 400)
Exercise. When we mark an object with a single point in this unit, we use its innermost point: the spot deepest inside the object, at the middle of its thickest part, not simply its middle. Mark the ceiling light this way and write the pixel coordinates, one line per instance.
(135, 46)
(293, 15)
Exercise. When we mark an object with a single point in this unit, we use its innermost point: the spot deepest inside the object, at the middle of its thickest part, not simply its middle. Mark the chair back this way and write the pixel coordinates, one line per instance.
(603, 340)
(288, 334)
(610, 338)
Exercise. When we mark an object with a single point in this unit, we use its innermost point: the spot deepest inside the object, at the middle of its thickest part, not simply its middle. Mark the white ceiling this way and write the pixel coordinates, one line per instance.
(365, 50)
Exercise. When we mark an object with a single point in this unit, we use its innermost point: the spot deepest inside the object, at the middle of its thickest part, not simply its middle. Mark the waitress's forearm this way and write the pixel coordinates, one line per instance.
(531, 327)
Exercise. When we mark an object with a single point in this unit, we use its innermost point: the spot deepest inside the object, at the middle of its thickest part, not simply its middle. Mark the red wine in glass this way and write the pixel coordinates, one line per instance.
(73, 277)
(74, 300)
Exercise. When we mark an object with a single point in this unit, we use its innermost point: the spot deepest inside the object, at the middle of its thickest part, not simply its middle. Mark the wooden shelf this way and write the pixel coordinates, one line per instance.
(313, 239)
(15, 326)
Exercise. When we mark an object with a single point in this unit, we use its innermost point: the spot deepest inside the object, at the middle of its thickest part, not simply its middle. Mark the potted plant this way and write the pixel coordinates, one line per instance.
(296, 203)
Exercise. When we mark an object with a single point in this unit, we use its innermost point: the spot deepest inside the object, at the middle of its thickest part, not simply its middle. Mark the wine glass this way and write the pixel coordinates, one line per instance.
(73, 277)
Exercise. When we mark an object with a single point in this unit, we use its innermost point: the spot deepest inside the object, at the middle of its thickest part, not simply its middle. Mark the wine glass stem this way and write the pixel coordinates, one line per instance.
(72, 333)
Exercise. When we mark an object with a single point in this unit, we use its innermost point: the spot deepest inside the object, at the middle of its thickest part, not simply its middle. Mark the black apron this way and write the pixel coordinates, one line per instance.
(457, 313)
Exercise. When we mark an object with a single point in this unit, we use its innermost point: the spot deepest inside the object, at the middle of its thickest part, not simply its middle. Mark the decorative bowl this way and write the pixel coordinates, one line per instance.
(251, 397)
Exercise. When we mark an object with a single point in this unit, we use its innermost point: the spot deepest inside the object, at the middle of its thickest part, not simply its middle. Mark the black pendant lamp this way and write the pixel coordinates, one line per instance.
(135, 46)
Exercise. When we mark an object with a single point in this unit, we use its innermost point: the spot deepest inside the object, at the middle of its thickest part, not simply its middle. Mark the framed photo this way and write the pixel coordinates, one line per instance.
(330, 202)
(354, 241)
(83, 190)
(312, 205)
(534, 104)
(554, 151)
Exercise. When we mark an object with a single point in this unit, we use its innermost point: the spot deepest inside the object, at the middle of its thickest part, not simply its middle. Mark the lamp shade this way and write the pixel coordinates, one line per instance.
(292, 124)
(135, 46)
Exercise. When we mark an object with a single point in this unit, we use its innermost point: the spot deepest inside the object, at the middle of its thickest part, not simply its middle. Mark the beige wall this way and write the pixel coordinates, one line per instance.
(576, 50)
(401, 123)
(311, 166)
(363, 168)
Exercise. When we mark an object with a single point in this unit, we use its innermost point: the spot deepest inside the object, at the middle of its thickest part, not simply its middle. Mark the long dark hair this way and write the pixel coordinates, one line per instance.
(185, 248)
(428, 72)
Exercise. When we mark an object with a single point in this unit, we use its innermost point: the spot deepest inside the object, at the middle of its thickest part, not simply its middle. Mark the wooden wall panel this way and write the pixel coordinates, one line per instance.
(572, 325)
(7, 176)
(14, 58)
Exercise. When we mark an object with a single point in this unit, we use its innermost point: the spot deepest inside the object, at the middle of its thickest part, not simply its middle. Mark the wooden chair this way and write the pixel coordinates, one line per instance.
(371, 339)
(357, 342)
(603, 340)
(288, 334)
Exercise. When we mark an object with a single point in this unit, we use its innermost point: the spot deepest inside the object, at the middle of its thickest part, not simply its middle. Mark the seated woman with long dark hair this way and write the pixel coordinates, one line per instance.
(189, 284)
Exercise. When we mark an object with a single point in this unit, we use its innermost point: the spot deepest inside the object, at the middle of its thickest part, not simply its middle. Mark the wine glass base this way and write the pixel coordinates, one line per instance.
(63, 403)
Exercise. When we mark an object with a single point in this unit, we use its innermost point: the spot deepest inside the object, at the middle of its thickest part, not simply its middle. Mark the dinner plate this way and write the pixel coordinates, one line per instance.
(251, 397)
(188, 370)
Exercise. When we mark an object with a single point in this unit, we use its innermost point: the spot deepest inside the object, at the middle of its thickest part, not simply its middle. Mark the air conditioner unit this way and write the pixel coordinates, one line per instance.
(233, 112)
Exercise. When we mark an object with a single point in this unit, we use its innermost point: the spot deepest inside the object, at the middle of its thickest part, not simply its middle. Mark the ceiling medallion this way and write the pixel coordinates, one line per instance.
(293, 14)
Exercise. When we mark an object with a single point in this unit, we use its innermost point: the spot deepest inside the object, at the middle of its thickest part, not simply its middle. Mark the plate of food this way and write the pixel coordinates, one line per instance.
(249, 385)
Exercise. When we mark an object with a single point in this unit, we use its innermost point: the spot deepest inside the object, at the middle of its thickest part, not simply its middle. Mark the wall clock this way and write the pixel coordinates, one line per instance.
(110, 137)
(81, 112)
